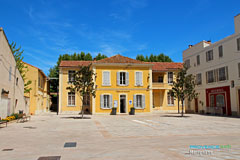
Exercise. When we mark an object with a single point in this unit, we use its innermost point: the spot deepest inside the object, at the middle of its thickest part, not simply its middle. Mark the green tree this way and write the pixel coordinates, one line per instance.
(140, 57)
(154, 58)
(23, 69)
(83, 83)
(100, 56)
(184, 86)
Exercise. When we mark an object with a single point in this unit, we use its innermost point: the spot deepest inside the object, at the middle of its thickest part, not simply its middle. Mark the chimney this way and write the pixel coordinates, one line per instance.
(189, 46)
(237, 23)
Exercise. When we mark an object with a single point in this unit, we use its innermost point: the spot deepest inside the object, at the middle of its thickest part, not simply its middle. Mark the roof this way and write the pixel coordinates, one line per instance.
(74, 63)
(165, 66)
(120, 59)
(36, 68)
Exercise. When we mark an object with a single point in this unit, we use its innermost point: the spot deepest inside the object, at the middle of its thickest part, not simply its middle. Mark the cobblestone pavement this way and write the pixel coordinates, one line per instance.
(149, 136)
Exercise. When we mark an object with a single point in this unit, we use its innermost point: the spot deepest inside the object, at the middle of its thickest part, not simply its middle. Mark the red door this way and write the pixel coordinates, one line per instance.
(196, 105)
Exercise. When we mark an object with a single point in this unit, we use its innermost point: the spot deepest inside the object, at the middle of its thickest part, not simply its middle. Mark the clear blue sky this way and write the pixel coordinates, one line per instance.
(47, 28)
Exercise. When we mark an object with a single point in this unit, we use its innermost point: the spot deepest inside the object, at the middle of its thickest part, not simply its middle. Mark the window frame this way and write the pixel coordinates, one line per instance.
(140, 80)
(220, 76)
(71, 75)
(169, 78)
(238, 44)
(208, 76)
(68, 103)
(209, 55)
(162, 79)
(220, 51)
(198, 60)
(199, 79)
(170, 100)
(105, 71)
(109, 106)
(142, 104)
(88, 100)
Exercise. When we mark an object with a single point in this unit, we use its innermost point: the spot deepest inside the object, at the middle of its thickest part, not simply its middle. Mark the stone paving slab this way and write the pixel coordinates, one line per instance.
(151, 136)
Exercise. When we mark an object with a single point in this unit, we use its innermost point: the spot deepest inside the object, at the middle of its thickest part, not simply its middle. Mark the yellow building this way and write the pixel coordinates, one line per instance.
(120, 82)
(39, 94)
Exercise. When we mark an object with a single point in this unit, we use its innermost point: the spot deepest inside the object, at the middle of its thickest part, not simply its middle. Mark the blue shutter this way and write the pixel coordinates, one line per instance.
(101, 101)
(143, 101)
(127, 78)
(110, 101)
(118, 78)
(141, 78)
(134, 101)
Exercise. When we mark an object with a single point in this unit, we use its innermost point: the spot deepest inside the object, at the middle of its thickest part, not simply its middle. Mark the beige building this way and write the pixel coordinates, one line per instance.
(217, 70)
(11, 83)
(39, 94)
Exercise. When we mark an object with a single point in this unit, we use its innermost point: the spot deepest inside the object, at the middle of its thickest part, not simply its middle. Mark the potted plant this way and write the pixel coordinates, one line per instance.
(132, 111)
(114, 111)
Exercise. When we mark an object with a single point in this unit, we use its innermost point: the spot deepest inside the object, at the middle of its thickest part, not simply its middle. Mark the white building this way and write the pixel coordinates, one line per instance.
(217, 70)
(11, 83)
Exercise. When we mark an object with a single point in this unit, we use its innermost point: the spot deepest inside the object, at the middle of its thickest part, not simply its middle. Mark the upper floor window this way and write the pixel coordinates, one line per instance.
(238, 44)
(71, 99)
(39, 81)
(198, 59)
(220, 50)
(71, 76)
(139, 101)
(122, 78)
(223, 73)
(106, 101)
(170, 77)
(187, 63)
(138, 78)
(86, 100)
(209, 55)
(170, 98)
(210, 76)
(199, 79)
(106, 81)
(160, 79)
(239, 70)
(10, 73)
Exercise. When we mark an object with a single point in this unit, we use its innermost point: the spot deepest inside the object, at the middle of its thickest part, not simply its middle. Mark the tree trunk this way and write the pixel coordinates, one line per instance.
(182, 108)
(178, 105)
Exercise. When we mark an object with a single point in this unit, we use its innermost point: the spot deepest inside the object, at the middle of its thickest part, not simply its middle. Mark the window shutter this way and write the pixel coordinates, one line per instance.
(110, 101)
(134, 101)
(136, 78)
(206, 77)
(101, 101)
(108, 78)
(104, 78)
(141, 78)
(143, 101)
(239, 70)
(226, 71)
(127, 78)
(118, 78)
(215, 75)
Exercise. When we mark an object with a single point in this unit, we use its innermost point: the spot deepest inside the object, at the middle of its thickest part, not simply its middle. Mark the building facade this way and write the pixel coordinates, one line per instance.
(217, 70)
(11, 83)
(39, 93)
(120, 82)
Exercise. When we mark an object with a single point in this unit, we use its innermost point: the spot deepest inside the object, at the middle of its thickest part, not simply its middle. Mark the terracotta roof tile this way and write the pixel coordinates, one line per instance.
(165, 66)
(74, 63)
(119, 59)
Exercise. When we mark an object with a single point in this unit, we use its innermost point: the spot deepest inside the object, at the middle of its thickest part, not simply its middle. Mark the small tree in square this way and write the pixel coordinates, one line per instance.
(184, 87)
(83, 83)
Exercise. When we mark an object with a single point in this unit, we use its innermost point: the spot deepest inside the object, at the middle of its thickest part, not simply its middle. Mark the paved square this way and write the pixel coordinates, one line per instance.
(149, 136)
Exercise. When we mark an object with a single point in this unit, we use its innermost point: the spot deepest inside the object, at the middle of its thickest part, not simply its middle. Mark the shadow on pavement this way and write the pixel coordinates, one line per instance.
(177, 116)
(72, 117)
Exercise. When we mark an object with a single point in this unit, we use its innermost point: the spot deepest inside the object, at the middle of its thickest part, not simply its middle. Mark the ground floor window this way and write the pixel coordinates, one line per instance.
(86, 100)
(139, 101)
(71, 99)
(170, 99)
(106, 101)
(220, 102)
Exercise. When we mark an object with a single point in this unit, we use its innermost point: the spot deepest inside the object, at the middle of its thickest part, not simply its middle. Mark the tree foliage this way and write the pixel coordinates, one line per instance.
(83, 83)
(23, 69)
(154, 58)
(184, 86)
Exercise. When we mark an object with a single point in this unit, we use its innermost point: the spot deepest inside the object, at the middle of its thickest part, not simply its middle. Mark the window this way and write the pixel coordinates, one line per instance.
(198, 59)
(209, 55)
(86, 100)
(239, 70)
(160, 79)
(71, 76)
(220, 50)
(106, 101)
(222, 74)
(39, 81)
(138, 79)
(199, 79)
(210, 76)
(238, 44)
(122, 78)
(71, 99)
(106, 78)
(187, 63)
(139, 101)
(170, 77)
(10, 73)
(170, 98)
(220, 100)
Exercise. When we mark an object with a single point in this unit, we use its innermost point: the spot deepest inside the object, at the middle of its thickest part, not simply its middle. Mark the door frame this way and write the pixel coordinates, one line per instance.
(196, 105)
(126, 104)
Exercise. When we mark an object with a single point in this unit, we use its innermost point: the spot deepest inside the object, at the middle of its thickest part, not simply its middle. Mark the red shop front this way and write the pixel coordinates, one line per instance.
(219, 97)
